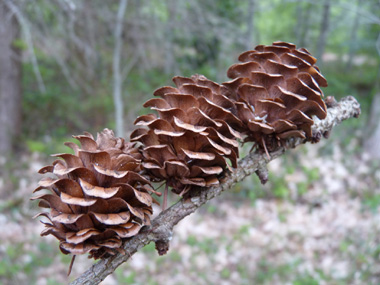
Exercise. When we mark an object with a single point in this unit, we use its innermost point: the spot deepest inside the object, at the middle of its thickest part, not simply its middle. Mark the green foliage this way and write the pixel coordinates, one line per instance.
(198, 46)
(192, 240)
(17, 259)
(305, 280)
(20, 44)
(268, 271)
(268, 22)
(359, 81)
(372, 201)
(125, 277)
(51, 145)
(149, 247)
(225, 273)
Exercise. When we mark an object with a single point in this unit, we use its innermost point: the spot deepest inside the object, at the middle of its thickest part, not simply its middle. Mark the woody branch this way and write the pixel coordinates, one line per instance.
(161, 230)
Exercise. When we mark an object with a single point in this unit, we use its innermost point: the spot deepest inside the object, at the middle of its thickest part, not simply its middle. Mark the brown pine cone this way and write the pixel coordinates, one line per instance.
(98, 198)
(277, 91)
(187, 143)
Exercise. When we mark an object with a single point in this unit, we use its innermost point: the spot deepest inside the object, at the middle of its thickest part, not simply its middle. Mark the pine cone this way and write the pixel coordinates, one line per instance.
(98, 198)
(277, 91)
(187, 143)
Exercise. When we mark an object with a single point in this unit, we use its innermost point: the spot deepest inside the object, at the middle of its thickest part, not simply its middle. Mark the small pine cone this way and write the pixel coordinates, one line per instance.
(187, 143)
(277, 91)
(98, 198)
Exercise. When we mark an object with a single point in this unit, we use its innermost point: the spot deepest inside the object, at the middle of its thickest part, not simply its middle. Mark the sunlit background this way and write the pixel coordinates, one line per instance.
(317, 220)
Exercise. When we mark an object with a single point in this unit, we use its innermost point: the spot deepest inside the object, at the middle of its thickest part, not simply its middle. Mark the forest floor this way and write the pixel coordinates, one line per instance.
(316, 222)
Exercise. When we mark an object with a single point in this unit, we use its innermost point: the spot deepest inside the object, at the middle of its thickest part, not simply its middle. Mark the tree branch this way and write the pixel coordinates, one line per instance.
(162, 226)
(28, 38)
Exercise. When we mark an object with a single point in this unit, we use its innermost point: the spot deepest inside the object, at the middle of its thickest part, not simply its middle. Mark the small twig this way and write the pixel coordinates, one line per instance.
(163, 224)
(165, 200)
(71, 265)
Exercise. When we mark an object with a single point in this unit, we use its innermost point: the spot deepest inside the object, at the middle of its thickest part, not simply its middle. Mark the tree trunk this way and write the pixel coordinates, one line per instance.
(10, 80)
(117, 90)
(250, 33)
(324, 31)
(352, 39)
(371, 145)
(169, 42)
(303, 23)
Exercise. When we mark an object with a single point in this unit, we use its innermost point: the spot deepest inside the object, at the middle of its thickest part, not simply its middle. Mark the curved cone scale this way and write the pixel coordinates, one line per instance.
(169, 133)
(76, 200)
(72, 161)
(189, 127)
(110, 172)
(137, 212)
(75, 238)
(73, 146)
(243, 70)
(87, 143)
(97, 191)
(91, 158)
(212, 182)
(84, 232)
(95, 201)
(46, 169)
(157, 103)
(179, 81)
(55, 202)
(144, 198)
(199, 155)
(164, 90)
(293, 133)
(274, 67)
(113, 219)
(181, 101)
(65, 218)
(207, 170)
(305, 56)
(285, 44)
(126, 232)
(299, 117)
(277, 49)
(201, 182)
(76, 249)
(176, 169)
(283, 125)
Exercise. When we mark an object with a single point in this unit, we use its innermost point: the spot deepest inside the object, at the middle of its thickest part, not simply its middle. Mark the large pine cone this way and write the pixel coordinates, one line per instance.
(277, 91)
(187, 143)
(98, 198)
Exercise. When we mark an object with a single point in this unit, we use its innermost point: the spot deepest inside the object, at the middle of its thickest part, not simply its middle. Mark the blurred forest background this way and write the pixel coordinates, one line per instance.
(68, 66)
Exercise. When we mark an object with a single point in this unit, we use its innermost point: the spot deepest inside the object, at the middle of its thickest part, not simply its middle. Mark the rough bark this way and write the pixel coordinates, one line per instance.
(11, 5)
(10, 79)
(117, 95)
(251, 31)
(169, 30)
(353, 36)
(303, 22)
(323, 31)
(161, 230)
(371, 145)
(372, 132)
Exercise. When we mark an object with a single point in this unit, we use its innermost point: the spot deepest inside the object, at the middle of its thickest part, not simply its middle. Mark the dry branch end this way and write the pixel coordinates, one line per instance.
(162, 226)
